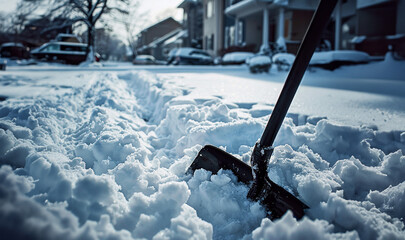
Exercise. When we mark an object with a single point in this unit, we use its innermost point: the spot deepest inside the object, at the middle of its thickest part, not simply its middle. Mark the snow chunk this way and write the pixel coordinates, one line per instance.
(289, 228)
(390, 201)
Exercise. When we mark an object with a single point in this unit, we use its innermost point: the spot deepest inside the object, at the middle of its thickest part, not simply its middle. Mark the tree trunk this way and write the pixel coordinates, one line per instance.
(90, 32)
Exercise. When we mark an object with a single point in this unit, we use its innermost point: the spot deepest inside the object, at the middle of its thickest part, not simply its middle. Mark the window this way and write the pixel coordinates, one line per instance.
(240, 32)
(199, 53)
(50, 48)
(210, 42)
(210, 9)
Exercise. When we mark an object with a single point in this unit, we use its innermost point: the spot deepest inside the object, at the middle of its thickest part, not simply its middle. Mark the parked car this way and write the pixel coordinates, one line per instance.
(144, 60)
(191, 56)
(64, 52)
(14, 51)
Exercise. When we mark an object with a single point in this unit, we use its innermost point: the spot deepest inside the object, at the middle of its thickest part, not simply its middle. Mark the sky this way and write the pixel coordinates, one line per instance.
(156, 9)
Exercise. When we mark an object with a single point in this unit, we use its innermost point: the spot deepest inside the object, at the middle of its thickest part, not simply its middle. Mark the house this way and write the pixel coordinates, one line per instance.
(154, 32)
(192, 23)
(380, 24)
(42, 30)
(161, 47)
(366, 25)
(213, 29)
(258, 22)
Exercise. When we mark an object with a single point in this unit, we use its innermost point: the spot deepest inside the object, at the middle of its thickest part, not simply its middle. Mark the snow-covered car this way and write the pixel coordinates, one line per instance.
(145, 60)
(63, 52)
(191, 56)
(235, 58)
(14, 51)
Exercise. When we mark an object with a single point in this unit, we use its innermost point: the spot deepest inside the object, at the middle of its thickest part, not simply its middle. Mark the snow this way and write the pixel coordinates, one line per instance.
(284, 58)
(101, 152)
(339, 55)
(259, 60)
(236, 57)
(12, 44)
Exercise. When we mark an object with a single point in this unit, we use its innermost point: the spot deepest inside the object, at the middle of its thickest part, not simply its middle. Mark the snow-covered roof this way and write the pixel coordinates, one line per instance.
(186, 3)
(176, 37)
(246, 7)
(164, 38)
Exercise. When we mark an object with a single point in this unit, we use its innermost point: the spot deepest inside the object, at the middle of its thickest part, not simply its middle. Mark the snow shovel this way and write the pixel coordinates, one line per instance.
(274, 198)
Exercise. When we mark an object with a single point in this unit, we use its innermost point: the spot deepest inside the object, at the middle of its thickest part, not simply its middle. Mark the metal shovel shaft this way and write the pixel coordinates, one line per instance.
(274, 198)
(306, 50)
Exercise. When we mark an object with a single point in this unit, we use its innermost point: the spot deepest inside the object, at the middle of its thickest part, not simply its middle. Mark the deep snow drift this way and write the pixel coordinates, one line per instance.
(105, 155)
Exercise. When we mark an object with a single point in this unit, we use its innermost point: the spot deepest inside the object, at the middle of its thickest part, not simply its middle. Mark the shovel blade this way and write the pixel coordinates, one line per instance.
(213, 159)
(274, 198)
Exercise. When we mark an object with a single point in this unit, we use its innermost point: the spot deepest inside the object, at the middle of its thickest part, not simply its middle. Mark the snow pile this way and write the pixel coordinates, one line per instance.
(259, 61)
(108, 160)
(284, 58)
(340, 55)
(236, 57)
(389, 68)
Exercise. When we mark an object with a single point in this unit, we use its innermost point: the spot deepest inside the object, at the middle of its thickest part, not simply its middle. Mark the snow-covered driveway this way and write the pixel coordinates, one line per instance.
(101, 153)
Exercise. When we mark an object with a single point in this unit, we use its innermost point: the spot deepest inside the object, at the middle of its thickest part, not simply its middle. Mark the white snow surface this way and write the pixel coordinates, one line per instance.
(339, 55)
(236, 57)
(102, 152)
(259, 60)
(284, 58)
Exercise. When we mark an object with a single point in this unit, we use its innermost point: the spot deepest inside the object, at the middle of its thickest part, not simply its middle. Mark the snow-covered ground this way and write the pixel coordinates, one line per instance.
(101, 152)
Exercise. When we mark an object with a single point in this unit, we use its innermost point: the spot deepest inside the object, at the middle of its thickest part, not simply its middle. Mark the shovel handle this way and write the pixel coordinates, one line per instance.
(305, 52)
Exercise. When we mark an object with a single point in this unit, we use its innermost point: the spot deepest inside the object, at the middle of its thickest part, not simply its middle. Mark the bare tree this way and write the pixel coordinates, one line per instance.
(132, 23)
(88, 12)
(20, 17)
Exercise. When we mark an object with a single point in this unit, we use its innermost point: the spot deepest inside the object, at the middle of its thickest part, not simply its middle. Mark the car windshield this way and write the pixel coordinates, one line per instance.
(50, 48)
(199, 54)
(72, 48)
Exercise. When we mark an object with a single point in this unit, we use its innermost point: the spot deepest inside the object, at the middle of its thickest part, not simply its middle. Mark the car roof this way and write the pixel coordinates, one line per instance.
(186, 51)
(11, 44)
(66, 43)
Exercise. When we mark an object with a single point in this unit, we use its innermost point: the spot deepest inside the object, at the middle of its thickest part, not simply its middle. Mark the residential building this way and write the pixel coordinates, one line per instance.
(379, 25)
(366, 25)
(154, 32)
(192, 23)
(213, 29)
(258, 22)
(161, 46)
(42, 30)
